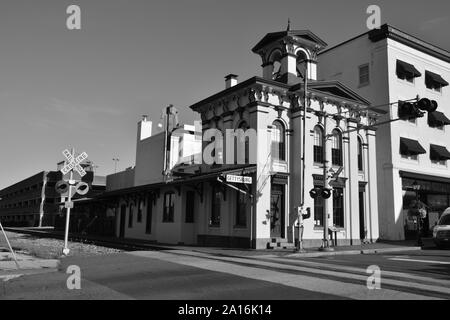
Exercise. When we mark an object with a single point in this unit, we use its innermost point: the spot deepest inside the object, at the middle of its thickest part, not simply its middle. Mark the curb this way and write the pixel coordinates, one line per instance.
(351, 252)
(6, 275)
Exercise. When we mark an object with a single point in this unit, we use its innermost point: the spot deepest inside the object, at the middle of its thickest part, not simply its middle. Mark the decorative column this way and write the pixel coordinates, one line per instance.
(353, 184)
(372, 223)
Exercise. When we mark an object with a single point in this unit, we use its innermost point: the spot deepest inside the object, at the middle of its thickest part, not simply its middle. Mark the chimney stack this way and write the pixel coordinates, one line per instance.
(230, 81)
(144, 128)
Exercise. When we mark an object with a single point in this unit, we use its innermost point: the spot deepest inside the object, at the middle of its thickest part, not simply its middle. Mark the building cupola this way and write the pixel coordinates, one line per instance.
(285, 54)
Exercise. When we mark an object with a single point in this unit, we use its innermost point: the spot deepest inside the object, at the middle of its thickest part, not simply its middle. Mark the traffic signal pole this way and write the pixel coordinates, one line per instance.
(325, 244)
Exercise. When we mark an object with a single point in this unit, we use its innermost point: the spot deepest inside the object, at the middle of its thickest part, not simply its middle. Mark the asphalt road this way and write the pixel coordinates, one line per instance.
(181, 275)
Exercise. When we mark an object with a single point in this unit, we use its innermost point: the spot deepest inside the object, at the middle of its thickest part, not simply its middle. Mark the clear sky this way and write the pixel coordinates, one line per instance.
(88, 88)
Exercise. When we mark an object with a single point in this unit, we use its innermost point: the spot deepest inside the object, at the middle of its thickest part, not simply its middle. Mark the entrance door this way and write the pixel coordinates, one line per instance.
(277, 211)
(123, 215)
(362, 232)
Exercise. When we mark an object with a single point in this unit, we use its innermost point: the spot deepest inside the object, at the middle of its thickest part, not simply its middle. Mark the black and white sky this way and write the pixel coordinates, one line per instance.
(87, 89)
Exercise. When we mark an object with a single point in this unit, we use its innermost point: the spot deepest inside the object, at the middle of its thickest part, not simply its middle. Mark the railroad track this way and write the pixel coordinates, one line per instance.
(126, 245)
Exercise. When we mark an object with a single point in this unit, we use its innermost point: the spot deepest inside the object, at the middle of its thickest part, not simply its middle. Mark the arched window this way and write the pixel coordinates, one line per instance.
(278, 141)
(243, 126)
(336, 148)
(360, 155)
(318, 144)
(276, 60)
(301, 64)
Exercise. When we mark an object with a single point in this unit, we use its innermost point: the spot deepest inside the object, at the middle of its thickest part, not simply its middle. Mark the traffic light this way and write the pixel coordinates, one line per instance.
(427, 105)
(409, 111)
(326, 193)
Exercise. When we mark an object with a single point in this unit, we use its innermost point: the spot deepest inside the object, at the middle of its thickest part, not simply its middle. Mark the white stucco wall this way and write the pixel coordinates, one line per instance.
(342, 63)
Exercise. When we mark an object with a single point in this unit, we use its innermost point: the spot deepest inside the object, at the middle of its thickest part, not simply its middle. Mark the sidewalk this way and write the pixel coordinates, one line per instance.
(27, 264)
(372, 248)
(134, 244)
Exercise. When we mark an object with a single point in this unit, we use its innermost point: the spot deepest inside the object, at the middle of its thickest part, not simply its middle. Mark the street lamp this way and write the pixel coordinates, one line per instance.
(115, 164)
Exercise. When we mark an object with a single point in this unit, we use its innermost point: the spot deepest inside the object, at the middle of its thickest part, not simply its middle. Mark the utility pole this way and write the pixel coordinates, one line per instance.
(166, 141)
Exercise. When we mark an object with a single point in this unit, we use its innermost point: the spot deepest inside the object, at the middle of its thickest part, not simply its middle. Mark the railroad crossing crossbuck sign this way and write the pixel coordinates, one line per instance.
(74, 163)
(82, 188)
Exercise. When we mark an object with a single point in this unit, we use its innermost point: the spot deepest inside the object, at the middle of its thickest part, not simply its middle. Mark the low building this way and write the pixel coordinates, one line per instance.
(34, 201)
(388, 65)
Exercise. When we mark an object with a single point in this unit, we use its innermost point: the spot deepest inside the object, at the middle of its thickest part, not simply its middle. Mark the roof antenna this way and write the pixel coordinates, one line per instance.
(289, 25)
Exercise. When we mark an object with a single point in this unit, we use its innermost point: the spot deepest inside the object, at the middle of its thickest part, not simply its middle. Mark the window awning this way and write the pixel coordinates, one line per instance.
(437, 119)
(411, 147)
(439, 152)
(431, 77)
(404, 68)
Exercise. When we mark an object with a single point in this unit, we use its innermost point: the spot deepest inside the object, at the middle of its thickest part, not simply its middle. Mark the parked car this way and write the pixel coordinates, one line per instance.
(441, 232)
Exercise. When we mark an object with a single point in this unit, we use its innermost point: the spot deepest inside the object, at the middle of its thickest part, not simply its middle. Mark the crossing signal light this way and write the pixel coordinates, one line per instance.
(409, 111)
(308, 214)
(320, 192)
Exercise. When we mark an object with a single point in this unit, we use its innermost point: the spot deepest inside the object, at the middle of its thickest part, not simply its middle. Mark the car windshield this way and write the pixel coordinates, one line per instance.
(445, 220)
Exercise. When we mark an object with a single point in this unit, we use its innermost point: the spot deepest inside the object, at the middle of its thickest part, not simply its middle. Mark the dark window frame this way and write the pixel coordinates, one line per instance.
(278, 148)
(216, 201)
(190, 207)
(366, 75)
(149, 216)
(360, 155)
(319, 204)
(338, 208)
(336, 153)
(130, 215)
(169, 207)
(241, 210)
(318, 148)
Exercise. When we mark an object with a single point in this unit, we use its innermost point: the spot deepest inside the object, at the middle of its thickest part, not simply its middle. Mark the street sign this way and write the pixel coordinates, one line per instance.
(68, 205)
(239, 179)
(74, 163)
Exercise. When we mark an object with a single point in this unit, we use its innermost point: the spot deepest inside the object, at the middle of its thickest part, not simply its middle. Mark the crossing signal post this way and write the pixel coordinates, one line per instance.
(302, 214)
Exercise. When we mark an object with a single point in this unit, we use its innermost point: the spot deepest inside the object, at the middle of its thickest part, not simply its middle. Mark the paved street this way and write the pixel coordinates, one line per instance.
(181, 274)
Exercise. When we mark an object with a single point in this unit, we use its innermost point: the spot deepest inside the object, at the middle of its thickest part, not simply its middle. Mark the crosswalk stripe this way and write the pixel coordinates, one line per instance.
(409, 276)
(305, 282)
(422, 261)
